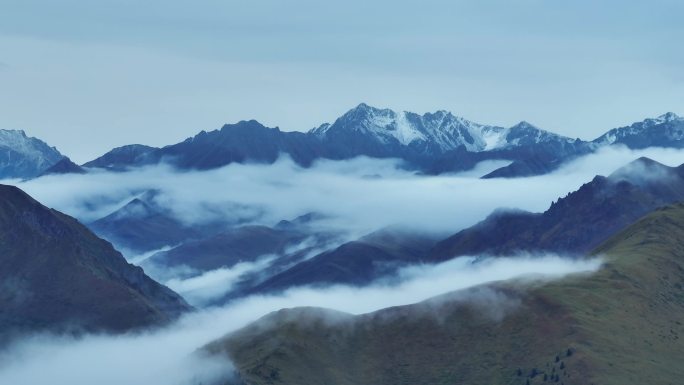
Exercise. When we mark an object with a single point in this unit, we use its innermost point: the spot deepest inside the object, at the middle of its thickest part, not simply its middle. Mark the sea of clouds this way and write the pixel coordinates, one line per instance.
(357, 196)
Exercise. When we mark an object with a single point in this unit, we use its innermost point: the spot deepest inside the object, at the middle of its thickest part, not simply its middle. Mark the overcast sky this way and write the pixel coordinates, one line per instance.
(86, 76)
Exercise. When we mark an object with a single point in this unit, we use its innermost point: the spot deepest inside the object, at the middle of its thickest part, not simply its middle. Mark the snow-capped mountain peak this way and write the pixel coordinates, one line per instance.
(439, 131)
(667, 130)
(22, 156)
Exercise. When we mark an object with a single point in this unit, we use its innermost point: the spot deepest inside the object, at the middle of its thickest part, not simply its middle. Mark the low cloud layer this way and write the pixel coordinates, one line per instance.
(166, 356)
(359, 195)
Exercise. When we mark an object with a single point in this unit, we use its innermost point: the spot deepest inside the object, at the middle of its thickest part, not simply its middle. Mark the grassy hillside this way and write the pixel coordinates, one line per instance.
(621, 325)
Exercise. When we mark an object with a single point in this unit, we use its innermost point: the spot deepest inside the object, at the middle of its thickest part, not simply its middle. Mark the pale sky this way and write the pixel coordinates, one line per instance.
(86, 76)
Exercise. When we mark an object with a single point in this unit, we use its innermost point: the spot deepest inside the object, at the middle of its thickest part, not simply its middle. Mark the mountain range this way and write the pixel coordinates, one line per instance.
(431, 143)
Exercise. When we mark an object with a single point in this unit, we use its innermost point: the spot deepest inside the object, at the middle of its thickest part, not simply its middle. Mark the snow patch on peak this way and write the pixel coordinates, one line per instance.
(320, 130)
(665, 129)
(404, 131)
(494, 137)
(437, 132)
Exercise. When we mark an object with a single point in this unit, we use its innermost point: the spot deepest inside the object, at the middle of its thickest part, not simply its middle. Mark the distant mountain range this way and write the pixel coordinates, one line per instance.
(431, 143)
(55, 275)
(620, 325)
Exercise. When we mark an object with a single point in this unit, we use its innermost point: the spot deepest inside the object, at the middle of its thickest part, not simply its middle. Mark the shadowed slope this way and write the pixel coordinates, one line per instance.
(57, 275)
(577, 223)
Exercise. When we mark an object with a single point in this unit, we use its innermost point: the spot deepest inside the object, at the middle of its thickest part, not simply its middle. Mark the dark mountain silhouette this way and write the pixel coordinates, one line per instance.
(118, 158)
(244, 142)
(577, 223)
(358, 262)
(56, 275)
(227, 248)
(64, 166)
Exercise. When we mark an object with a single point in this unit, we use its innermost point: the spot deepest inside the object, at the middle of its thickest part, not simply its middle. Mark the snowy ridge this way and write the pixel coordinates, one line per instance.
(22, 156)
(441, 130)
(668, 127)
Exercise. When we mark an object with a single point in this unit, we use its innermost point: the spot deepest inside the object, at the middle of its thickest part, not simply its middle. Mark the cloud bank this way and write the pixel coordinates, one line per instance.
(358, 196)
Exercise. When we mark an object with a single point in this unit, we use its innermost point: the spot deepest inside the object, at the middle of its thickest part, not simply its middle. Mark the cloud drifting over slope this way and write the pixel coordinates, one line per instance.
(166, 356)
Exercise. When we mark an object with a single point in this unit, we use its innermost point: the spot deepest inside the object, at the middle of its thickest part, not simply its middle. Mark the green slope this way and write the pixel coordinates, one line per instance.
(621, 325)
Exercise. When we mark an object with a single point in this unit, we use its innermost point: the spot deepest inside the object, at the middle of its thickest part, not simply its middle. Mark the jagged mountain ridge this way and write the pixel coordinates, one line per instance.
(25, 157)
(667, 130)
(435, 133)
(433, 143)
